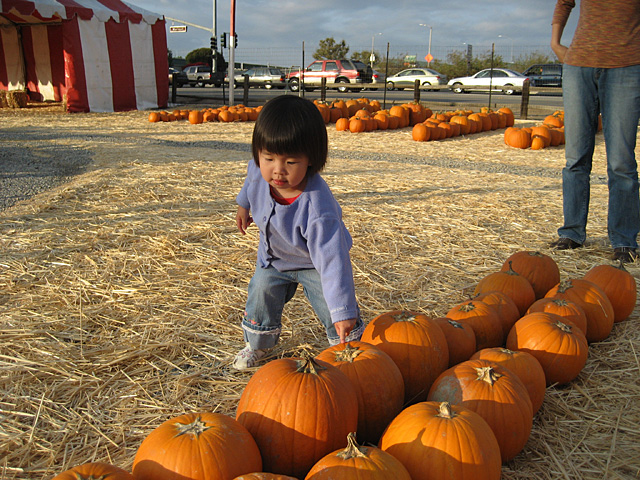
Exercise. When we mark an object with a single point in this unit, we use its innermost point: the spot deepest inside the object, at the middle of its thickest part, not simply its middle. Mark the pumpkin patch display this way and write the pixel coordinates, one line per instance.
(417, 346)
(594, 302)
(495, 393)
(618, 285)
(540, 269)
(298, 410)
(559, 345)
(95, 471)
(377, 381)
(438, 440)
(197, 446)
(358, 462)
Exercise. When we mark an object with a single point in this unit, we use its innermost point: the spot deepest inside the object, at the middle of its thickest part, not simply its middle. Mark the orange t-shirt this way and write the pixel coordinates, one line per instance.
(607, 35)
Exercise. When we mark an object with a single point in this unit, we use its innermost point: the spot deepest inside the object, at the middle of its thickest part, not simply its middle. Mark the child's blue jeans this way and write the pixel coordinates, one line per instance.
(269, 290)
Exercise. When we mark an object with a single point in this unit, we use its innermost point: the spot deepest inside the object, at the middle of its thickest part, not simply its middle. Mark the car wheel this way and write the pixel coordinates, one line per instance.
(457, 88)
(509, 90)
(268, 85)
(390, 86)
(342, 85)
(294, 85)
(199, 83)
(425, 85)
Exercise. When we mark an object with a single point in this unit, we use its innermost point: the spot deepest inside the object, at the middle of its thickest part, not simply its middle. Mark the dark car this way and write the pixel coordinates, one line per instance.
(265, 77)
(198, 75)
(545, 75)
(177, 76)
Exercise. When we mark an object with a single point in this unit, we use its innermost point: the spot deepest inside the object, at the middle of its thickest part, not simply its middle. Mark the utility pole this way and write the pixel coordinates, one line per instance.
(232, 47)
(214, 35)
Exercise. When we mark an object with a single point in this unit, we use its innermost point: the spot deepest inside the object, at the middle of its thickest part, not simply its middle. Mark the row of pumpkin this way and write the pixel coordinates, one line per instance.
(418, 397)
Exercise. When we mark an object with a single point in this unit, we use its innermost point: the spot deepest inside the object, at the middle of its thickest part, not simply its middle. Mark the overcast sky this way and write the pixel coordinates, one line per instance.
(282, 24)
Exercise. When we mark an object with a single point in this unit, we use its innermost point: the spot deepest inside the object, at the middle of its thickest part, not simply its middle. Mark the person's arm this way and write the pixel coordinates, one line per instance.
(556, 41)
(344, 327)
(243, 219)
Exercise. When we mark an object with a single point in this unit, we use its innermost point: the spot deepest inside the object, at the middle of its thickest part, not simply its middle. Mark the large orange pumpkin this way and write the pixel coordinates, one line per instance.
(510, 283)
(523, 364)
(594, 302)
(619, 286)
(377, 381)
(94, 471)
(565, 308)
(358, 462)
(197, 446)
(483, 319)
(461, 339)
(298, 411)
(495, 393)
(540, 269)
(438, 440)
(417, 346)
(560, 346)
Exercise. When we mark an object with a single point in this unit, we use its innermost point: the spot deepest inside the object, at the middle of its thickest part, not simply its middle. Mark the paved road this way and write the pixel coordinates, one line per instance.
(258, 96)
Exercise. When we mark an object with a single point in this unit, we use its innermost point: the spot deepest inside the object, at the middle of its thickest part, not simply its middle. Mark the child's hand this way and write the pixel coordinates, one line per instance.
(344, 328)
(243, 219)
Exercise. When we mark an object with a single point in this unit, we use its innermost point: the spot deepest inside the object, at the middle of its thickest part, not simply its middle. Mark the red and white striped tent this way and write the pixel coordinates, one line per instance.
(99, 55)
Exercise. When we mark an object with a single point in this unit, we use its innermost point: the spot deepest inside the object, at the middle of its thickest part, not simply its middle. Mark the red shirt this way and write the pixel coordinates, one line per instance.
(607, 35)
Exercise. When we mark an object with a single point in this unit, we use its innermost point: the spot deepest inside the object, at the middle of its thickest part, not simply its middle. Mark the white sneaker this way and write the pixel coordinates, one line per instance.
(247, 358)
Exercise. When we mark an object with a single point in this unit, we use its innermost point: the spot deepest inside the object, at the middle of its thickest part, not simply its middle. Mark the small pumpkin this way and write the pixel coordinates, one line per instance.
(342, 124)
(495, 393)
(438, 440)
(510, 283)
(461, 339)
(523, 364)
(594, 302)
(377, 381)
(358, 462)
(181, 448)
(619, 286)
(94, 471)
(420, 133)
(540, 269)
(289, 407)
(417, 346)
(560, 346)
(195, 117)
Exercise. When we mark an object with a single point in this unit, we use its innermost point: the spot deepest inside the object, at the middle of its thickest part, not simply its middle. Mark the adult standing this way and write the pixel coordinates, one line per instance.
(601, 75)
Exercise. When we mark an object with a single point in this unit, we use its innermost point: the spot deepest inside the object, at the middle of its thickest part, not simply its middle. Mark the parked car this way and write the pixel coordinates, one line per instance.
(501, 79)
(340, 74)
(407, 78)
(198, 75)
(177, 76)
(545, 75)
(265, 77)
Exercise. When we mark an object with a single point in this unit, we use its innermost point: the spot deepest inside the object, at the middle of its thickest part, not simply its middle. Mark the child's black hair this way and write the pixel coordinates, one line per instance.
(291, 125)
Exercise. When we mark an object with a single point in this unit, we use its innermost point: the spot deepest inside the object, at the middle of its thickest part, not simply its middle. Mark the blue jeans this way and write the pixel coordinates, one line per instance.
(614, 92)
(269, 290)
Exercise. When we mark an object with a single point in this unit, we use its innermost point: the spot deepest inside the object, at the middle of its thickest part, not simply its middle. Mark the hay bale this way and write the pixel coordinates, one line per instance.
(13, 99)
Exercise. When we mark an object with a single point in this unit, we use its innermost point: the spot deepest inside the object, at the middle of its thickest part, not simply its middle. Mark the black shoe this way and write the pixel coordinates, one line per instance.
(564, 243)
(625, 254)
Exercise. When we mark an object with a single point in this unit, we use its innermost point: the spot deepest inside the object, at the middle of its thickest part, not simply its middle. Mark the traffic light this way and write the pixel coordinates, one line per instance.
(223, 40)
(214, 44)
(235, 40)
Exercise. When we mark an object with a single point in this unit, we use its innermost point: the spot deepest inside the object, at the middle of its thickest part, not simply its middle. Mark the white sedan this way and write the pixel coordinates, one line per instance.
(498, 79)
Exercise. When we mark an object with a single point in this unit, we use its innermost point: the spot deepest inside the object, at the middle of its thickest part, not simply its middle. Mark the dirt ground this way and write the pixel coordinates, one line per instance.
(122, 283)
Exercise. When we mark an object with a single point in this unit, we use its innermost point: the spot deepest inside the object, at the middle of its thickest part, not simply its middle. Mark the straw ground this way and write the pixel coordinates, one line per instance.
(122, 289)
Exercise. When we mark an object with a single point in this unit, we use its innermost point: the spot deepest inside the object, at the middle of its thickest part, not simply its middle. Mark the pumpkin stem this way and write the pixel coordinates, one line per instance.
(90, 477)
(564, 327)
(445, 411)
(560, 302)
(348, 354)
(488, 374)
(511, 271)
(467, 307)
(352, 449)
(196, 428)
(564, 285)
(309, 365)
(404, 316)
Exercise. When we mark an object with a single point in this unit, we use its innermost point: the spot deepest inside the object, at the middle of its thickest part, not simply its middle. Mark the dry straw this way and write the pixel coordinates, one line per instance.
(121, 291)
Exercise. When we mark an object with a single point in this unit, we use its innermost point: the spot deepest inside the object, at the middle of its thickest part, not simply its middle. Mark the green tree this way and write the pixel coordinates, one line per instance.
(203, 55)
(365, 55)
(329, 49)
(170, 57)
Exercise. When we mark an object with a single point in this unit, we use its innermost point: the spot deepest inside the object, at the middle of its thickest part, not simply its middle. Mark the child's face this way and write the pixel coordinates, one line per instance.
(285, 173)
